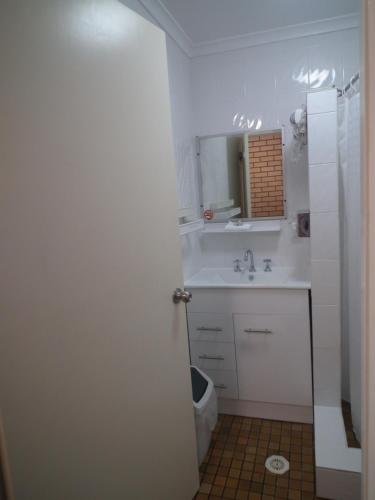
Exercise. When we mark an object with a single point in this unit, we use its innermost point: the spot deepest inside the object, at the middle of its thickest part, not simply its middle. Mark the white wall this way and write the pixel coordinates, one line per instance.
(325, 247)
(179, 69)
(267, 83)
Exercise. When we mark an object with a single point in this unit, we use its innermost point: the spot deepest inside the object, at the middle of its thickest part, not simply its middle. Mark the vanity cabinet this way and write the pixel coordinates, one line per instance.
(253, 343)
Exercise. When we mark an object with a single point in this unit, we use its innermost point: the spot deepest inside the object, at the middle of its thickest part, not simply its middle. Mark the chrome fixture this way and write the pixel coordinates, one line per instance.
(246, 258)
(237, 266)
(353, 80)
(256, 330)
(298, 119)
(181, 295)
(216, 329)
(220, 386)
(267, 266)
(217, 358)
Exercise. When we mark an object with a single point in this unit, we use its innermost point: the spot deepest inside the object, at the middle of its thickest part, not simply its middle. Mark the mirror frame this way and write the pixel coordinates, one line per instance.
(231, 134)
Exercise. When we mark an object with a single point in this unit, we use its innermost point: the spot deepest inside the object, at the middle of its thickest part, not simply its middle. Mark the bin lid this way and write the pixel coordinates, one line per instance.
(198, 383)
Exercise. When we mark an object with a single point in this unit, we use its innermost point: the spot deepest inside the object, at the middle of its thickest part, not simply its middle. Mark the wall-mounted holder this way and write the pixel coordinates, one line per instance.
(303, 225)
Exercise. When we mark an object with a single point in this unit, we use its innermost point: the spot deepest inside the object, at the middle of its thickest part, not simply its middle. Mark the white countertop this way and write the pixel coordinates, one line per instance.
(279, 277)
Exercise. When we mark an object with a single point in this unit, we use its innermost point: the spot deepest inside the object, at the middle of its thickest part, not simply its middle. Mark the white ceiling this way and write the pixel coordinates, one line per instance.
(209, 20)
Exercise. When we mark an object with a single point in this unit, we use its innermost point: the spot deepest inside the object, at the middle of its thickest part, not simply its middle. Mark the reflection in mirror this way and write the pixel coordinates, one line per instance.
(242, 176)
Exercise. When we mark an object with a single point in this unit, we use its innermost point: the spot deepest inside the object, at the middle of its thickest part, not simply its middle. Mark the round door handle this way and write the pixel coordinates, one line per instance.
(181, 295)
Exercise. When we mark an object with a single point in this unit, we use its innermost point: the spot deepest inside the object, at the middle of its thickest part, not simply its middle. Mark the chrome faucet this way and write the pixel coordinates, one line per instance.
(246, 258)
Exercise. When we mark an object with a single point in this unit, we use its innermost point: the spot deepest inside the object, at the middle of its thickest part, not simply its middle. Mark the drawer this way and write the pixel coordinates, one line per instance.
(213, 355)
(211, 327)
(225, 382)
(273, 358)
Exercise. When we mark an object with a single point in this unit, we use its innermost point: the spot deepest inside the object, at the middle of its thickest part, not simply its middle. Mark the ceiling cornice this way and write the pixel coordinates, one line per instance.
(276, 35)
(170, 25)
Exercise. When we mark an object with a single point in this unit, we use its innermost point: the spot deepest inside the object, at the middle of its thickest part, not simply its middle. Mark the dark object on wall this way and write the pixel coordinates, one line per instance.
(303, 225)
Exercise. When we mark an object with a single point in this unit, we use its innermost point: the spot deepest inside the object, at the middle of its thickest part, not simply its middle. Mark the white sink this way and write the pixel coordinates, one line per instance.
(279, 277)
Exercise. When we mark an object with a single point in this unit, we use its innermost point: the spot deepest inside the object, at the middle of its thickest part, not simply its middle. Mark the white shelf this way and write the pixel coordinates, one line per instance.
(219, 205)
(190, 227)
(224, 215)
(185, 212)
(263, 226)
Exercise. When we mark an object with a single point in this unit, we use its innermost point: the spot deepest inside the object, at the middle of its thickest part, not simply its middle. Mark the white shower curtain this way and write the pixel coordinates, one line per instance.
(350, 211)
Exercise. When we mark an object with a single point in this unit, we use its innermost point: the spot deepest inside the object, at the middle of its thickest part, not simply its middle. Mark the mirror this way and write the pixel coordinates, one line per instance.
(242, 176)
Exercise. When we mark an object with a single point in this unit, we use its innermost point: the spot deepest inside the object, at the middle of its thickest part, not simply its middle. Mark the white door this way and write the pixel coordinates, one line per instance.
(95, 388)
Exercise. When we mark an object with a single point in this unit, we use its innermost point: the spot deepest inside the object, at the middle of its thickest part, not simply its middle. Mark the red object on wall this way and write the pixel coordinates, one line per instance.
(208, 214)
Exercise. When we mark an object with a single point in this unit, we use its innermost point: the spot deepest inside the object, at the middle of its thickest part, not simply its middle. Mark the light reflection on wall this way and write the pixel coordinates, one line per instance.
(316, 78)
(242, 122)
(107, 22)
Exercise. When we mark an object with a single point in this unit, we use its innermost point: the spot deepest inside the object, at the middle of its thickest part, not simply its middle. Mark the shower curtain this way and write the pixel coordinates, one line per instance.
(350, 220)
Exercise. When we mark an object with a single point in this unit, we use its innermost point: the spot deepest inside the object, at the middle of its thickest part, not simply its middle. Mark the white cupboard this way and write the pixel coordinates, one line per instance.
(255, 345)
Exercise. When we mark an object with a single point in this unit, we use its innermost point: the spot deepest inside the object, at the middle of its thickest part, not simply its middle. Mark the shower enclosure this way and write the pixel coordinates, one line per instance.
(335, 204)
(351, 252)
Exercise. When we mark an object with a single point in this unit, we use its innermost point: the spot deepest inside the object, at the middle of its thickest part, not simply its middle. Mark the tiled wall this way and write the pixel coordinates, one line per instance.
(266, 175)
(325, 247)
(259, 85)
(262, 86)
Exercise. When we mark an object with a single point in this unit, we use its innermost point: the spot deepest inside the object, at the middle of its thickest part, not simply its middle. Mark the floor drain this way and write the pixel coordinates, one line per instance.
(277, 464)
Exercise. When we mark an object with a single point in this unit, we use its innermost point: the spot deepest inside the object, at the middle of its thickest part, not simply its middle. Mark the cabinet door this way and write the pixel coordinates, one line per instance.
(273, 358)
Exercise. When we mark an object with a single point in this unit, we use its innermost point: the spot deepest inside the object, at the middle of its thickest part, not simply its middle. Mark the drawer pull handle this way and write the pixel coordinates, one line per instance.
(218, 358)
(220, 386)
(209, 329)
(251, 330)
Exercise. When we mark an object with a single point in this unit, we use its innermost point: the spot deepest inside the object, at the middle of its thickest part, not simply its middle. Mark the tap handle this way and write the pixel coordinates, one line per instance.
(267, 264)
(237, 265)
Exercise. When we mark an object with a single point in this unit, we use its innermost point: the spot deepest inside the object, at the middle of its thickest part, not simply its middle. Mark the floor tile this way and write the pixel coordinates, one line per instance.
(234, 467)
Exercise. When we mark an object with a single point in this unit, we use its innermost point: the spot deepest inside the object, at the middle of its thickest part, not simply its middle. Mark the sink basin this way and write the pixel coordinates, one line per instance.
(279, 277)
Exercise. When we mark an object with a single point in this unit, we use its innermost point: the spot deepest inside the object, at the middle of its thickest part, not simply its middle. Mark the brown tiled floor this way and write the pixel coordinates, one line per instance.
(350, 436)
(234, 465)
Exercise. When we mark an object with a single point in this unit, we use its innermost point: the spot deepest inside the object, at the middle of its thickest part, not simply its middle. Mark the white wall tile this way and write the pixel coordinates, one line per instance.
(325, 294)
(326, 62)
(267, 83)
(325, 236)
(322, 102)
(325, 282)
(322, 142)
(323, 181)
(326, 326)
(327, 377)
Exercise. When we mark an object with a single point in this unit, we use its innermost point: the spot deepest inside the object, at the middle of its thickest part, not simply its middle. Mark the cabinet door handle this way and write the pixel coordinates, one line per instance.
(209, 329)
(220, 386)
(218, 358)
(251, 330)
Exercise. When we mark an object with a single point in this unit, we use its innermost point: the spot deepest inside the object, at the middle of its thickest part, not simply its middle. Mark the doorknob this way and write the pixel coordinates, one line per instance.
(183, 295)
